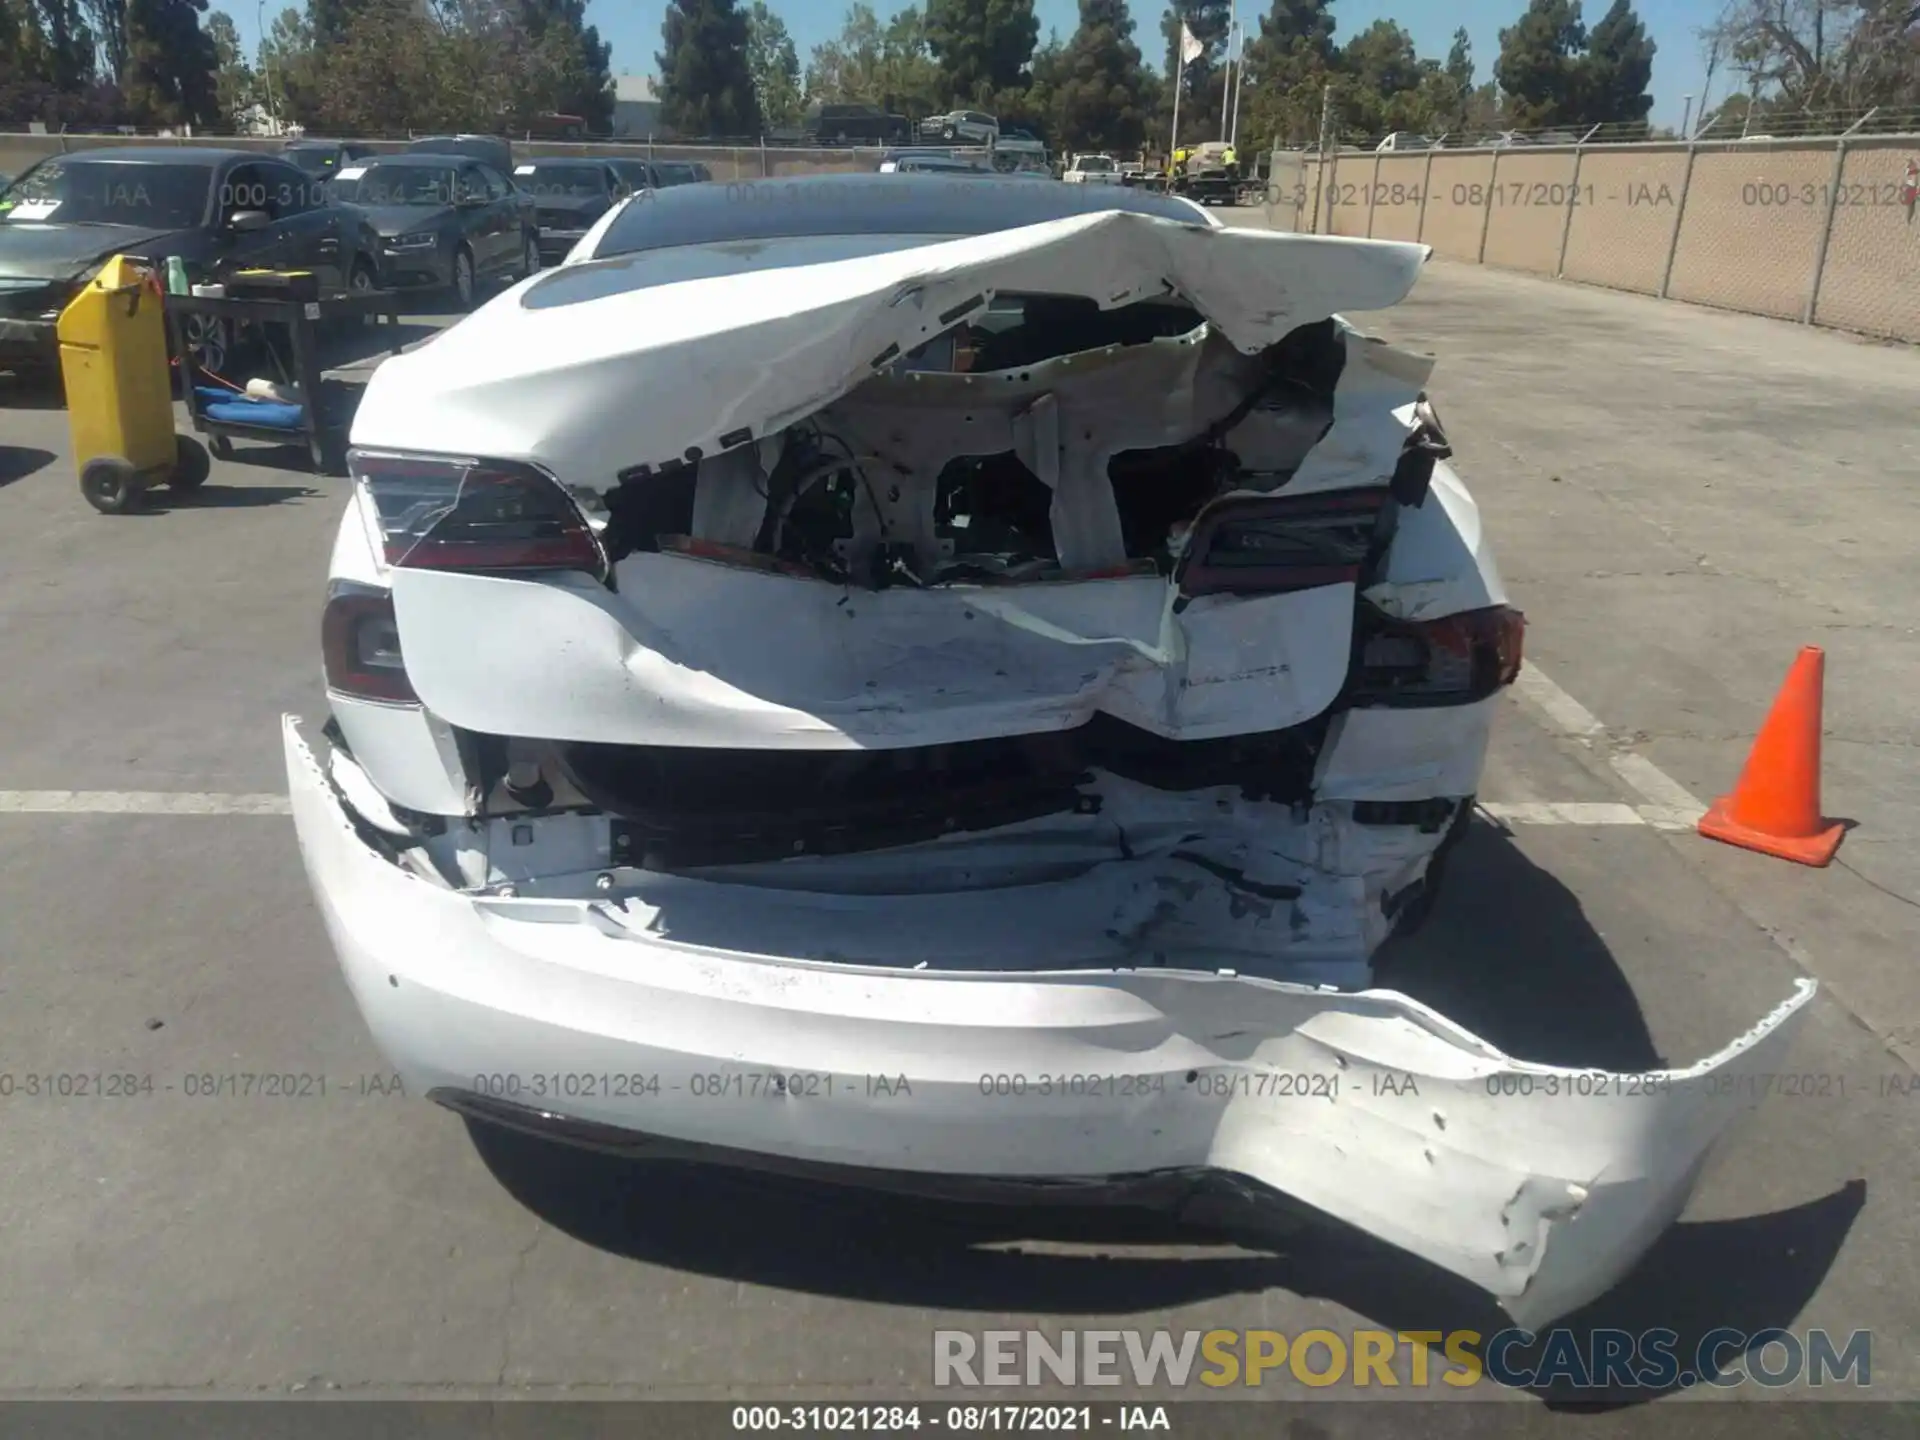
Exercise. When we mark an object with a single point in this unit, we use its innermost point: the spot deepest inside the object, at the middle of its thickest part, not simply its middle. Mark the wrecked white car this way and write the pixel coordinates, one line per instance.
(949, 683)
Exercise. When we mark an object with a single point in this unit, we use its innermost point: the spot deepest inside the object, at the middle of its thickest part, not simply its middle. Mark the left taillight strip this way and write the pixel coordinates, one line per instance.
(360, 645)
(449, 512)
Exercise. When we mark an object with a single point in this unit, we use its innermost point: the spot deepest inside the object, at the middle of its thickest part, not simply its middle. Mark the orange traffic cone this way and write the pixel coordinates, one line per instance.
(1775, 808)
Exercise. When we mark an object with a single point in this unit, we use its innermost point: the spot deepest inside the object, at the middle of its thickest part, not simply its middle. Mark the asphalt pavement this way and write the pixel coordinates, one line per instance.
(1679, 500)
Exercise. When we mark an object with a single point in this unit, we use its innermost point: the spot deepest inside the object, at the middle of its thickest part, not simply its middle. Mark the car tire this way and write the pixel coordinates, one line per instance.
(112, 486)
(463, 286)
(191, 464)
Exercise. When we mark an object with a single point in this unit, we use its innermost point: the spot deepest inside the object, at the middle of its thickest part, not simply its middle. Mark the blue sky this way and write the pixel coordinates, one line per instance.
(632, 27)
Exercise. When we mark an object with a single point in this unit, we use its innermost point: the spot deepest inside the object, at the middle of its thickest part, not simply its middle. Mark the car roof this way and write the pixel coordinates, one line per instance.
(424, 159)
(867, 204)
(165, 154)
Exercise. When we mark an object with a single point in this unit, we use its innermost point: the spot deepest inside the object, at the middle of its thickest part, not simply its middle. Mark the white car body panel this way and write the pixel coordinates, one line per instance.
(1543, 1199)
(643, 375)
(679, 654)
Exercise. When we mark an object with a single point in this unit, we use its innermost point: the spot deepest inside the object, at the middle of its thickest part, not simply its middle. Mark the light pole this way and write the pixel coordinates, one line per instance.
(1686, 118)
(266, 68)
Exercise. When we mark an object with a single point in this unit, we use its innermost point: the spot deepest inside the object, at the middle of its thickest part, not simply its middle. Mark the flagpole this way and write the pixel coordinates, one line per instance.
(1239, 88)
(1226, 78)
(1179, 79)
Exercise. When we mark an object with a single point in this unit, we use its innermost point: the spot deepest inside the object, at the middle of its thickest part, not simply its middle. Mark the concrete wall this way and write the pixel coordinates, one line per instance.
(1798, 229)
(744, 162)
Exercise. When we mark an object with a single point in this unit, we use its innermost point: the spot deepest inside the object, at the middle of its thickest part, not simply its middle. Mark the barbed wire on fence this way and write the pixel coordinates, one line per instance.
(1757, 127)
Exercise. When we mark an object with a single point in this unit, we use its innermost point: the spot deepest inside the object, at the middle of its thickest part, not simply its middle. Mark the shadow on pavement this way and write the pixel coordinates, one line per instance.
(32, 390)
(215, 496)
(1510, 955)
(1549, 989)
(19, 461)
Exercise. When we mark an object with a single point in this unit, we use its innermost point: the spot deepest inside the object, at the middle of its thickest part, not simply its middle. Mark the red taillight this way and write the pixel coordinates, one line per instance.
(1459, 657)
(1265, 547)
(360, 646)
(441, 513)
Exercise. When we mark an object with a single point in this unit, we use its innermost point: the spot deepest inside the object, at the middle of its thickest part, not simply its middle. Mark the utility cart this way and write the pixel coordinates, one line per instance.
(223, 414)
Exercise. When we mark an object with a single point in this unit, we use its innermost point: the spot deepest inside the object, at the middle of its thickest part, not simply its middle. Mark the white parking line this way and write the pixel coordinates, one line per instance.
(1564, 812)
(138, 802)
(1669, 804)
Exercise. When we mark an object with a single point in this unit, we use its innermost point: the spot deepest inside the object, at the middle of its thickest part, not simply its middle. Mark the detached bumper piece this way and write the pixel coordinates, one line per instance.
(599, 1019)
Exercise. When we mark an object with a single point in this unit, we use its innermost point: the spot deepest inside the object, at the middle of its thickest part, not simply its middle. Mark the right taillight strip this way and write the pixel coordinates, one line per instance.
(1313, 540)
(1459, 658)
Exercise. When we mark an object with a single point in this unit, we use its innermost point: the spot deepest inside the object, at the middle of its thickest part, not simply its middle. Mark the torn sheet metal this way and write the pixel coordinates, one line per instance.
(587, 376)
(1542, 1185)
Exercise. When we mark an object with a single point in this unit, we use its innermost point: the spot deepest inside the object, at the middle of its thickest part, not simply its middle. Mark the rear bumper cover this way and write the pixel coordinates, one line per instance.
(1541, 1185)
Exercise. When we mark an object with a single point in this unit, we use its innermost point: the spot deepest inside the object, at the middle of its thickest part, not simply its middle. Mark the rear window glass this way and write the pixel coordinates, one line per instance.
(856, 205)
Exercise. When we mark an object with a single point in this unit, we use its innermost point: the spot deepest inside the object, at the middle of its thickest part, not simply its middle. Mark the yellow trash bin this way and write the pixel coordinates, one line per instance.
(113, 358)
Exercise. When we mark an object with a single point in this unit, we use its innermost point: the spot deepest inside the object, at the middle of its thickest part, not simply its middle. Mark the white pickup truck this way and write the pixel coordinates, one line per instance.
(1092, 170)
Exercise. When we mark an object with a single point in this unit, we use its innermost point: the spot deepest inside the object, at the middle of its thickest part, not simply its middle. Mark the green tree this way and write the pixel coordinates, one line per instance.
(1617, 69)
(332, 21)
(566, 69)
(1459, 65)
(1096, 91)
(775, 66)
(706, 87)
(1539, 68)
(65, 43)
(1289, 63)
(171, 66)
(108, 20)
(287, 68)
(983, 47)
(1459, 74)
(234, 79)
(873, 64)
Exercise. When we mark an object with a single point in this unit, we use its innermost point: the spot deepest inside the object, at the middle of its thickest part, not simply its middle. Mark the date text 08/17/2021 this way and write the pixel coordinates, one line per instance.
(816, 1419)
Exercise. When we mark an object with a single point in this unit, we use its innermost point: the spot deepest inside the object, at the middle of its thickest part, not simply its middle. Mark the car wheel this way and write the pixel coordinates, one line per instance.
(191, 464)
(209, 342)
(362, 280)
(463, 278)
(112, 486)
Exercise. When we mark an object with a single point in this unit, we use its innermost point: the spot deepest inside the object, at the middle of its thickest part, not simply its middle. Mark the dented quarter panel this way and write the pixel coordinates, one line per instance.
(1541, 1185)
(1440, 563)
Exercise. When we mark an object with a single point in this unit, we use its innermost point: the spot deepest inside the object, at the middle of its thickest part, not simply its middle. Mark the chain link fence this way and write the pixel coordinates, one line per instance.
(745, 161)
(1817, 230)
